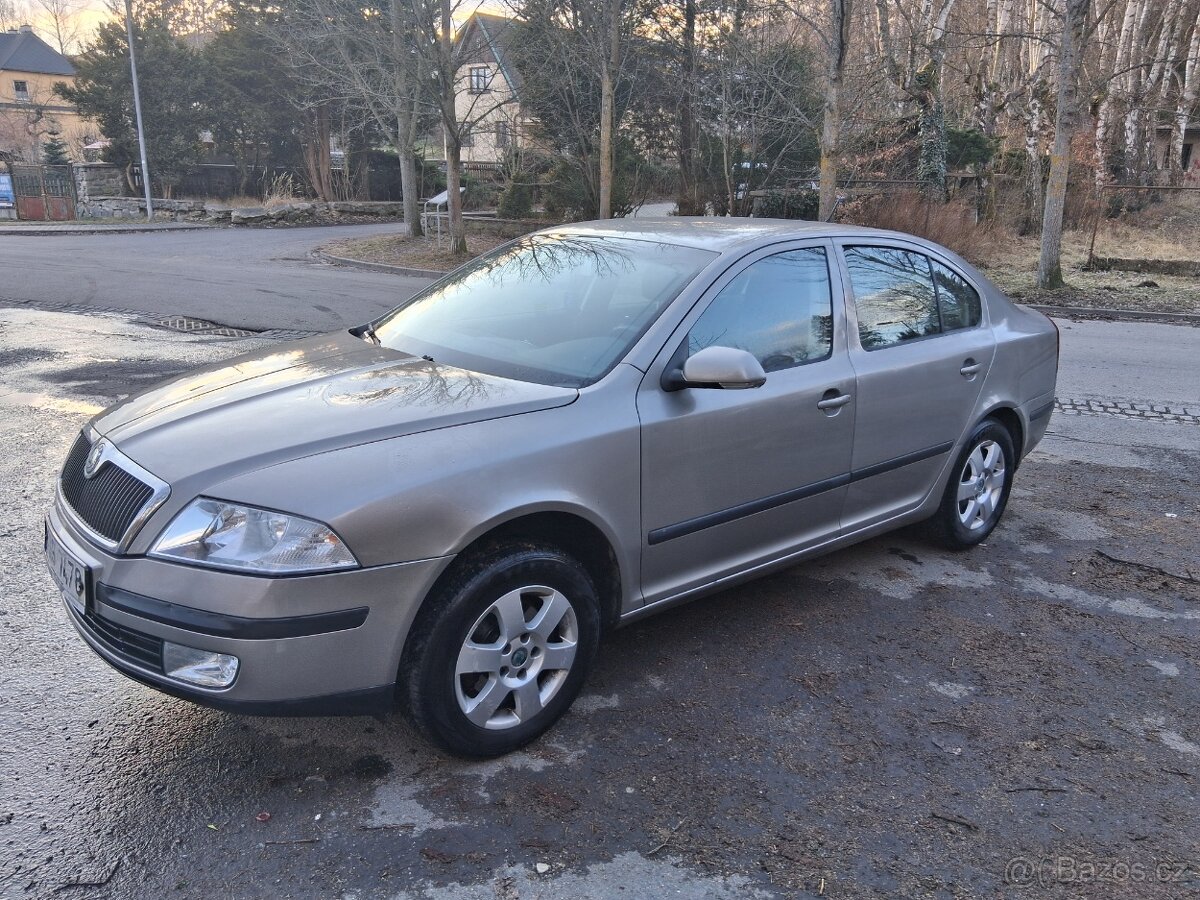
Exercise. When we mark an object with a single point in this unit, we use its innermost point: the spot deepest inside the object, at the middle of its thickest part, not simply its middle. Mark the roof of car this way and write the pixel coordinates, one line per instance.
(719, 234)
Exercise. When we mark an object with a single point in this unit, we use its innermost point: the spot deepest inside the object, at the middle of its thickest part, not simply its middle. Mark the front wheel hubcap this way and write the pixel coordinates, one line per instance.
(516, 657)
(981, 485)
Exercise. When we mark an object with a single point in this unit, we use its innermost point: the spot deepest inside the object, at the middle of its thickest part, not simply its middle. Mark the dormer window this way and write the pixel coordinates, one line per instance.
(480, 78)
(21, 91)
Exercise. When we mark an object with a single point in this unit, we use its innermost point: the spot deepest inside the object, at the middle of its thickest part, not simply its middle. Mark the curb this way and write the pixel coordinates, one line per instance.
(20, 231)
(377, 267)
(1127, 315)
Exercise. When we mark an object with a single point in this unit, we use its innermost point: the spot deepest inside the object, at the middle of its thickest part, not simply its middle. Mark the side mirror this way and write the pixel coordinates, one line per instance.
(718, 367)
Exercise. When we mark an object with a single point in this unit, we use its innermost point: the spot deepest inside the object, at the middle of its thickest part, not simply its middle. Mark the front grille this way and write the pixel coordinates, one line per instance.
(132, 646)
(110, 500)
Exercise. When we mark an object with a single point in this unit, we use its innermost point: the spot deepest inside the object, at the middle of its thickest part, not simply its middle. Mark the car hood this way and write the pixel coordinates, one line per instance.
(301, 398)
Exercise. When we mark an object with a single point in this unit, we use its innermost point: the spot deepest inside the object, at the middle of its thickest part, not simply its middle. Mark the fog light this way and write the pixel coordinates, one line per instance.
(201, 667)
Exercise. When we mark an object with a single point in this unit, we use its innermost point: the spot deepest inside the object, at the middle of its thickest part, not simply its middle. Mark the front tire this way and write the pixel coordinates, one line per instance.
(501, 649)
(977, 492)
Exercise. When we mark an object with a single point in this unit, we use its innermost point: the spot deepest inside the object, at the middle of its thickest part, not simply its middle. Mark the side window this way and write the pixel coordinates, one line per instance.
(894, 296)
(958, 301)
(780, 309)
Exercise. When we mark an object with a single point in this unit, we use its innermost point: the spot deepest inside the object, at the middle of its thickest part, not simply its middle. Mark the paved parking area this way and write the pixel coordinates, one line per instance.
(889, 720)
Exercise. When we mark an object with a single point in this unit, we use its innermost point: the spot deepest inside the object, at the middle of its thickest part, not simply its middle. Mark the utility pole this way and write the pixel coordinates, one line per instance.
(137, 111)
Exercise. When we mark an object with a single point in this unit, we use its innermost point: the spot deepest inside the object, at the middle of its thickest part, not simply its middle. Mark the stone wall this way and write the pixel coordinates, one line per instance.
(98, 180)
(215, 212)
(135, 208)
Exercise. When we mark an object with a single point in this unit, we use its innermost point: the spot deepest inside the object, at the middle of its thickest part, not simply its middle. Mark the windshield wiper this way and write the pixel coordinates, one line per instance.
(368, 332)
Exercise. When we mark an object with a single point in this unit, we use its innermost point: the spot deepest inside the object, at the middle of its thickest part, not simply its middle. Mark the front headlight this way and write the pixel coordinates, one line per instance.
(231, 536)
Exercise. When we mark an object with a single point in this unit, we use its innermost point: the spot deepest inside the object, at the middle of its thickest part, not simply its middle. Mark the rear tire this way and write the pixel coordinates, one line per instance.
(977, 491)
(501, 649)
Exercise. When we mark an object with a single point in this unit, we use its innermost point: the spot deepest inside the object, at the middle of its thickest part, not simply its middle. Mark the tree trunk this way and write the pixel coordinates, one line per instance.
(688, 201)
(1186, 103)
(1065, 118)
(831, 124)
(406, 116)
(931, 164)
(317, 162)
(608, 110)
(409, 191)
(606, 144)
(1034, 202)
(458, 231)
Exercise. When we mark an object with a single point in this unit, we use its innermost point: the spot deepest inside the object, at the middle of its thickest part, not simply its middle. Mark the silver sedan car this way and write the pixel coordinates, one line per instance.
(446, 508)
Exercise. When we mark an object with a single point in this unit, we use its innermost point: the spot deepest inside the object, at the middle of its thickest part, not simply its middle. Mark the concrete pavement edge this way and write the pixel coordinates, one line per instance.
(376, 267)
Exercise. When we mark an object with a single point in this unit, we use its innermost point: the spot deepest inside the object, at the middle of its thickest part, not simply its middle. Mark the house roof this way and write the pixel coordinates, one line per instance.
(24, 51)
(500, 34)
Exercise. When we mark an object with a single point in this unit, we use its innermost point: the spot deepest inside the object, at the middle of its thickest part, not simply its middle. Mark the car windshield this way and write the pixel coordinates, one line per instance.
(557, 309)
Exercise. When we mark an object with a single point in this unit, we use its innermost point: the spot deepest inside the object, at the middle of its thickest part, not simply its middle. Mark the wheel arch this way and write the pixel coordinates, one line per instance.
(566, 528)
(1010, 418)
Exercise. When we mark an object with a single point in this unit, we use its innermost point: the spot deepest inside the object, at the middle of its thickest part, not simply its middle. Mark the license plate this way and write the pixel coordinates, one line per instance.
(73, 578)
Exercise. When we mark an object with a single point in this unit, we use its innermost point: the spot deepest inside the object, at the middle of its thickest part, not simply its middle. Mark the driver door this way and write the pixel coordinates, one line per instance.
(736, 478)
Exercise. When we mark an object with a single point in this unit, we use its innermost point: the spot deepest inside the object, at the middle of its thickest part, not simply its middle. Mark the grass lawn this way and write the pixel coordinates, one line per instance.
(412, 253)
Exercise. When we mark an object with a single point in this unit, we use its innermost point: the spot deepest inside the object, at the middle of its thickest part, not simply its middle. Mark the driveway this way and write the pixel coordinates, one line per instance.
(890, 720)
(255, 278)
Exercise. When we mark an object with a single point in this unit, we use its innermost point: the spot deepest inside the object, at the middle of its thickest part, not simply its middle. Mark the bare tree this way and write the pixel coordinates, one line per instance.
(610, 64)
(62, 19)
(1070, 56)
(364, 58)
(12, 14)
(837, 46)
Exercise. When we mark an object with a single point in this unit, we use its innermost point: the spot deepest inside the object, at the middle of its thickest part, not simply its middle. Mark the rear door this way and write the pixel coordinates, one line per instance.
(921, 348)
(731, 478)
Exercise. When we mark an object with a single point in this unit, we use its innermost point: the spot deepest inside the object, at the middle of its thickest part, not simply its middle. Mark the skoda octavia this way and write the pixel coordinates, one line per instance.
(445, 509)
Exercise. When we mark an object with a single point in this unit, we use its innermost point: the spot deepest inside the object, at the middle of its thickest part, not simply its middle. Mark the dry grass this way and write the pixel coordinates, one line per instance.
(1168, 231)
(414, 253)
(1013, 260)
(278, 191)
(951, 224)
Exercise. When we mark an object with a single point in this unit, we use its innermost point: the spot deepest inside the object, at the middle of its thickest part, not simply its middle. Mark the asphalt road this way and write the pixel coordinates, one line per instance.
(891, 720)
(260, 278)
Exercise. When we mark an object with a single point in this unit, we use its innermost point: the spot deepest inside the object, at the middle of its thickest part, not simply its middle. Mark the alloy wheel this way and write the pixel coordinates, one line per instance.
(981, 485)
(516, 657)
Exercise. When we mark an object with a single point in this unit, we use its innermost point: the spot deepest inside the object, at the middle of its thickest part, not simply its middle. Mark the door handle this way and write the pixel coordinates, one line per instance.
(833, 402)
(970, 367)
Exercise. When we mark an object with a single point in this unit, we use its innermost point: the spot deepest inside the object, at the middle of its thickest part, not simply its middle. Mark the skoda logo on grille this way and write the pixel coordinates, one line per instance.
(94, 458)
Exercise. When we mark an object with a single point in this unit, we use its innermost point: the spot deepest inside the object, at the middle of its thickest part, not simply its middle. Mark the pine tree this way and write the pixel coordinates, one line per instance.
(55, 152)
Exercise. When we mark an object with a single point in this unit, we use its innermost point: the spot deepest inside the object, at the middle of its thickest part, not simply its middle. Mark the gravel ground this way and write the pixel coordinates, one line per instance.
(891, 720)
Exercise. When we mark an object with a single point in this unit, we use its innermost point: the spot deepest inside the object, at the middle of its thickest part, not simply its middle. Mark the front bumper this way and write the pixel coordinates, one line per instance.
(318, 645)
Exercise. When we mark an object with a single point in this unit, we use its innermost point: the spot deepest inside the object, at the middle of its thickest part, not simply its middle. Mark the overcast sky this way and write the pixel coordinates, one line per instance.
(93, 12)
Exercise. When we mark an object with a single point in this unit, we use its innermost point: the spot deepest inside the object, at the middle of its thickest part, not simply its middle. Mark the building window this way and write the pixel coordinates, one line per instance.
(502, 136)
(465, 137)
(1185, 162)
(479, 79)
(21, 90)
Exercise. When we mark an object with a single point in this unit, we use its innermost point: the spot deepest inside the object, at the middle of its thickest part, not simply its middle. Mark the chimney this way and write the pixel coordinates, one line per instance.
(26, 29)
